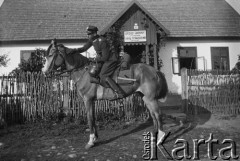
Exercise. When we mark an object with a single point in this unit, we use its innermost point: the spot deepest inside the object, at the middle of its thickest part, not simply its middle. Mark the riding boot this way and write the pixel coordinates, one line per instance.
(120, 93)
(94, 80)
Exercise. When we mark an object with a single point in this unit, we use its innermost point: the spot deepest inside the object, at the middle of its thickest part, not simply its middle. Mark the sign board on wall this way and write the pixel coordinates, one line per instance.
(135, 36)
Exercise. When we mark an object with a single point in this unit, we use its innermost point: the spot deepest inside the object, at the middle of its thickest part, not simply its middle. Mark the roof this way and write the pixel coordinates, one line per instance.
(61, 19)
(128, 7)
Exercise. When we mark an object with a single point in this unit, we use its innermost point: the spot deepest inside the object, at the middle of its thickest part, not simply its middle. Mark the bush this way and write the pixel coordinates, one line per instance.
(33, 64)
(4, 60)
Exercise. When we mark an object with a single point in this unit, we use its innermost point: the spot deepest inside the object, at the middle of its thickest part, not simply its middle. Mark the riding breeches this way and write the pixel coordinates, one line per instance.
(107, 70)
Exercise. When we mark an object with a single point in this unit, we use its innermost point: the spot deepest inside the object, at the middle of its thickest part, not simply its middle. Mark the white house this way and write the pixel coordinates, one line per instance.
(197, 34)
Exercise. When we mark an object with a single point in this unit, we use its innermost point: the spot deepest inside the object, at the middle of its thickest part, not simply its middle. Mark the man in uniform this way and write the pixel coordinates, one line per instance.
(104, 57)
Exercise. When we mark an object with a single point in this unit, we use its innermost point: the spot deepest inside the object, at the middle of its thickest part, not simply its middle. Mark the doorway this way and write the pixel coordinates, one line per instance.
(136, 52)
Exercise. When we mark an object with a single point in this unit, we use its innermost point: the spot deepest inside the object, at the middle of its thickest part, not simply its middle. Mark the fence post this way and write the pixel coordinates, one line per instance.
(1, 101)
(184, 95)
(65, 96)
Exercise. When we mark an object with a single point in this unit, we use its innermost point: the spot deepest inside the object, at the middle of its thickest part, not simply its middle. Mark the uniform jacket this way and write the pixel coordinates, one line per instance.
(101, 47)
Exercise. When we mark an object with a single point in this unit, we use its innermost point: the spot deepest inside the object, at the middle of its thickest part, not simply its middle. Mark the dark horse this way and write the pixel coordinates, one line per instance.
(148, 81)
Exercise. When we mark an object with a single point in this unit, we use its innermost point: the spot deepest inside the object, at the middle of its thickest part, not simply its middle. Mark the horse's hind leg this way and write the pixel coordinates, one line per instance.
(156, 113)
(91, 123)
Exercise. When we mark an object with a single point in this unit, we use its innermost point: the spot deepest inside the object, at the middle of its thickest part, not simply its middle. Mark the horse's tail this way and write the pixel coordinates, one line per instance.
(163, 90)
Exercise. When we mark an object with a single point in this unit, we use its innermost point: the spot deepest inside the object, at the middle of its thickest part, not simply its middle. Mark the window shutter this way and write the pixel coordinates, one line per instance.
(175, 65)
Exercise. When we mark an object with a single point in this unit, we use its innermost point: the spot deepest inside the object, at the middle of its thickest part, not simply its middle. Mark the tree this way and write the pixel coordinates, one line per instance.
(115, 39)
(33, 64)
(4, 60)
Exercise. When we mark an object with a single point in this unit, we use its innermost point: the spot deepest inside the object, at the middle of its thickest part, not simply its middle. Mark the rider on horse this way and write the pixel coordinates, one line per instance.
(105, 58)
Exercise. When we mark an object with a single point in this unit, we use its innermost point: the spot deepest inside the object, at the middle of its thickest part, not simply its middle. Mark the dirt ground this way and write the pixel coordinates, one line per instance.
(50, 141)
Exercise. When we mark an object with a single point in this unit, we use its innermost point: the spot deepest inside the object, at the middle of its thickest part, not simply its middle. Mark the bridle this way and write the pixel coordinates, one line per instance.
(51, 67)
(55, 72)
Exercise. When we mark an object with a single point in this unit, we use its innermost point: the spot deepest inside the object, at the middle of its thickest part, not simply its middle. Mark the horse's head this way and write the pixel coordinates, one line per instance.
(54, 58)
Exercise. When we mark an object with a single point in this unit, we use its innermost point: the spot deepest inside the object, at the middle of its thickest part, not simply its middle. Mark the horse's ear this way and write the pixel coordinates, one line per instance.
(54, 42)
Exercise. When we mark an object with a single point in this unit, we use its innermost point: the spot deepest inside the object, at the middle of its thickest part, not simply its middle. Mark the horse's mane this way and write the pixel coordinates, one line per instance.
(76, 59)
(48, 49)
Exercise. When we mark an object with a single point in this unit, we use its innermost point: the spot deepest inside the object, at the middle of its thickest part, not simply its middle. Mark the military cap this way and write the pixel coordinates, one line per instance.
(91, 29)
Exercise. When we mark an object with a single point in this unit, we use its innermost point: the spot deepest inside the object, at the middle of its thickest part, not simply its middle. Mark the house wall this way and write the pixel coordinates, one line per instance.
(166, 53)
(13, 52)
(203, 50)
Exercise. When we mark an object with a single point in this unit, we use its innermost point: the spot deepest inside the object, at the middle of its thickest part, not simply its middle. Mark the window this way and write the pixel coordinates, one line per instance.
(220, 58)
(25, 55)
(187, 58)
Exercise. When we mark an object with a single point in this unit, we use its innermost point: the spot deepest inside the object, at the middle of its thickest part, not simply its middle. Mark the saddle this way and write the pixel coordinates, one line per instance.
(123, 75)
(123, 78)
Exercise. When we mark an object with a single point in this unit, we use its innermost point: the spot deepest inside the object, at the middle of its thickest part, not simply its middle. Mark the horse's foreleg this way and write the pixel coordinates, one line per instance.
(91, 123)
(156, 113)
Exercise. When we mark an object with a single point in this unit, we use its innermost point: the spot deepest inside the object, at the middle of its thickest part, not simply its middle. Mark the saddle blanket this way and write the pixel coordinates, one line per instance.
(124, 79)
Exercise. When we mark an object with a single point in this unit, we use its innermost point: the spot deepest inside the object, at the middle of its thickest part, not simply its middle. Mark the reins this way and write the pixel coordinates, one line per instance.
(58, 73)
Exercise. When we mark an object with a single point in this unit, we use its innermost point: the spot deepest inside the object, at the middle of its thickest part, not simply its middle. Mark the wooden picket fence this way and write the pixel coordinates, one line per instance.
(216, 91)
(31, 96)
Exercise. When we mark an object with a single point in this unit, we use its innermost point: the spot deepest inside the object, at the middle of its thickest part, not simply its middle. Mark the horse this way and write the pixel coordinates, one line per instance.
(148, 81)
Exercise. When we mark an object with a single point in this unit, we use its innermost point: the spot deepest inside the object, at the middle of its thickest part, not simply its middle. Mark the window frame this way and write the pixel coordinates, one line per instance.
(176, 60)
(227, 57)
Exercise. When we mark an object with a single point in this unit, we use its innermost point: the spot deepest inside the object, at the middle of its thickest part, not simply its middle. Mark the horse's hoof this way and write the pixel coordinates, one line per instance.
(88, 146)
